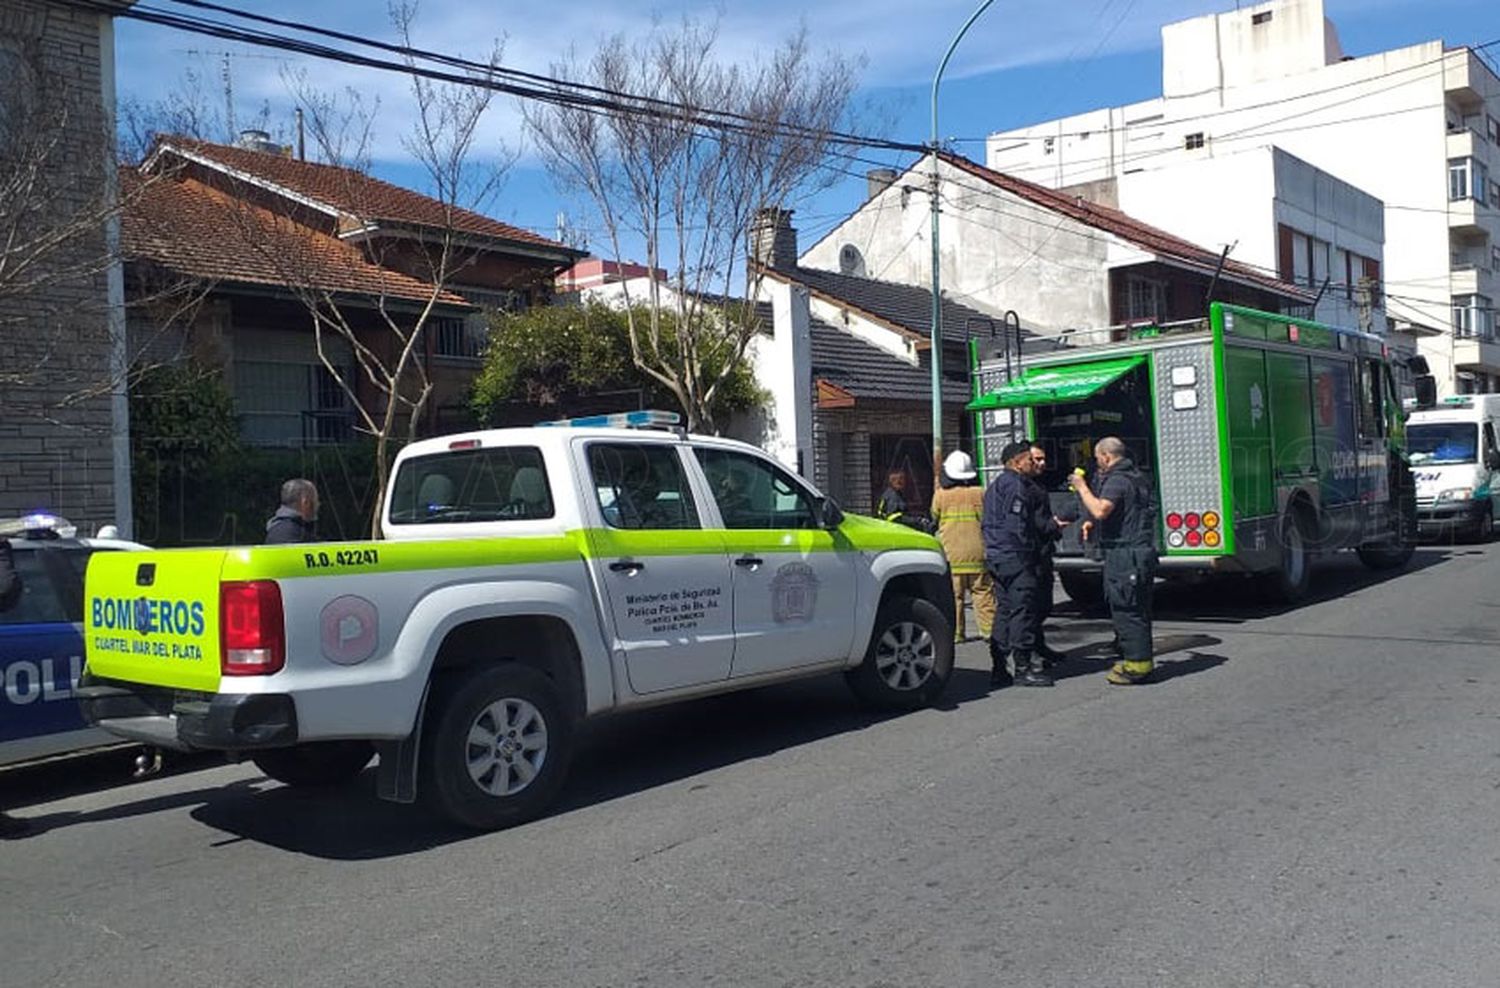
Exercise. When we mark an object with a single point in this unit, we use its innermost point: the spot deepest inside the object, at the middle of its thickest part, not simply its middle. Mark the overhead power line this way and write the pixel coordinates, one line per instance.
(461, 71)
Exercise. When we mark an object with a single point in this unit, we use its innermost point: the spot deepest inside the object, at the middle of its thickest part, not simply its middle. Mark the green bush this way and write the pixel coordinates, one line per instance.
(560, 361)
(195, 484)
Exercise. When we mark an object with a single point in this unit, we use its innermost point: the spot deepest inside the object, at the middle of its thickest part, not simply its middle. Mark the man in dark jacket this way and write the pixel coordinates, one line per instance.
(1123, 506)
(1016, 521)
(1046, 571)
(293, 521)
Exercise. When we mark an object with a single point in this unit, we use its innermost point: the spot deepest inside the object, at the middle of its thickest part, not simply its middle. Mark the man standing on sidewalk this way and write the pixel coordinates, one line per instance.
(1045, 573)
(957, 508)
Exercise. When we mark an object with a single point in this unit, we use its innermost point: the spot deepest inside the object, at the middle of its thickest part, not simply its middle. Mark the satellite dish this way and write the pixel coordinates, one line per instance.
(851, 261)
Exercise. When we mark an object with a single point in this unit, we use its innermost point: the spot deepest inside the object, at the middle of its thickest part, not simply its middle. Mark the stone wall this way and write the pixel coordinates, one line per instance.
(56, 406)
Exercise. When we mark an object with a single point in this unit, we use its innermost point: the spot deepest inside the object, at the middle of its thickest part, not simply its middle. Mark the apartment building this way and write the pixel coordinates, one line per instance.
(1417, 127)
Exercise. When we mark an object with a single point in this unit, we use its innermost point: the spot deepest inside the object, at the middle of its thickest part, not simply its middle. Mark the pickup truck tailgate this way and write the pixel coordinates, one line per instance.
(153, 617)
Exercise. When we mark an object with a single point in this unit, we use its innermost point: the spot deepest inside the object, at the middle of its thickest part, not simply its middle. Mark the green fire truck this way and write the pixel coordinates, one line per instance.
(1270, 440)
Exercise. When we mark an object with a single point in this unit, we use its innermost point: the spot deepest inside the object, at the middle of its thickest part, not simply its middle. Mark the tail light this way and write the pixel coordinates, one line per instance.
(251, 630)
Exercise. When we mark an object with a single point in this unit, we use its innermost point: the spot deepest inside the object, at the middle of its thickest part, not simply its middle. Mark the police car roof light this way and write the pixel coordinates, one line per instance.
(646, 419)
(39, 525)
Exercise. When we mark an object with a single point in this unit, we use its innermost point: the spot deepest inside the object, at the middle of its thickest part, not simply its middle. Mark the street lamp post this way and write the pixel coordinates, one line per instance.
(937, 304)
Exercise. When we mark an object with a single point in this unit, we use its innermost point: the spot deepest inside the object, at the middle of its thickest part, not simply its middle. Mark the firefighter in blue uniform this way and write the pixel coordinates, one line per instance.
(1017, 522)
(1124, 508)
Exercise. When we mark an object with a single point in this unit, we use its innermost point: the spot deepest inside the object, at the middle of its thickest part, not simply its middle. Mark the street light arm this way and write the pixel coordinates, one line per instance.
(936, 348)
(943, 65)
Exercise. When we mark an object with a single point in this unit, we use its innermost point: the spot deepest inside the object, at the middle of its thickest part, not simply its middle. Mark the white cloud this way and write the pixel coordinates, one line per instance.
(900, 41)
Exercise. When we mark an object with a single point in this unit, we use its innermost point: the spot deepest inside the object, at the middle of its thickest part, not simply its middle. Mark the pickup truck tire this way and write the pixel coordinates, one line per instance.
(910, 657)
(496, 746)
(315, 763)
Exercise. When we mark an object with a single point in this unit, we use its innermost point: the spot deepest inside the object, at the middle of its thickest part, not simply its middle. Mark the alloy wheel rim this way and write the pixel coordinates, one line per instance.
(905, 656)
(506, 746)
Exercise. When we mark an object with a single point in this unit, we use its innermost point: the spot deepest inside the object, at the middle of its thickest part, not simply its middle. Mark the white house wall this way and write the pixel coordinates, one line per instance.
(1240, 199)
(999, 252)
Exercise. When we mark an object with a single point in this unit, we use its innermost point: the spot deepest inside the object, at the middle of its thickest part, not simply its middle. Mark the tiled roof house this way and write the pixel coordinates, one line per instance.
(257, 233)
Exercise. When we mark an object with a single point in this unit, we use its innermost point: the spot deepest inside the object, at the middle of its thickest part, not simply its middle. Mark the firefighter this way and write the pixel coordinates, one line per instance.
(1124, 508)
(1044, 577)
(957, 508)
(1016, 520)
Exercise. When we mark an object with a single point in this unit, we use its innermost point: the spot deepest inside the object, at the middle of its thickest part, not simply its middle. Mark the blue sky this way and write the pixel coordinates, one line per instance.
(1024, 61)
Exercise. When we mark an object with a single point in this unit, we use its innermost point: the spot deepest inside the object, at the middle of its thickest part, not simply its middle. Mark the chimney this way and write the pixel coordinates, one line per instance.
(773, 240)
(877, 180)
(257, 140)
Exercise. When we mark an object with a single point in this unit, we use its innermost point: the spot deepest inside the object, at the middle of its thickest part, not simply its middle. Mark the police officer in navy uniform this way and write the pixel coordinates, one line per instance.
(1046, 571)
(1016, 522)
(1124, 507)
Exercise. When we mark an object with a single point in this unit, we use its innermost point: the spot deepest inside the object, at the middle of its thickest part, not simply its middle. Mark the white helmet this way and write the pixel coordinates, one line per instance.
(959, 466)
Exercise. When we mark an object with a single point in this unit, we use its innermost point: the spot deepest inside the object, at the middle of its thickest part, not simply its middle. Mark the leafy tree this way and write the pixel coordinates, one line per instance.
(556, 361)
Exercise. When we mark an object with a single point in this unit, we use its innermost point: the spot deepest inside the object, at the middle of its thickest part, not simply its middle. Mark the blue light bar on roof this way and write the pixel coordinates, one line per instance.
(649, 419)
(39, 525)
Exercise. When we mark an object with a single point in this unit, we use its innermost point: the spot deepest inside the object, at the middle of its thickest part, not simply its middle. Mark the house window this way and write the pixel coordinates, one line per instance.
(500, 301)
(1146, 300)
(1193, 141)
(1473, 317)
(1264, 17)
(1495, 195)
(1494, 130)
(460, 337)
(1495, 258)
(1467, 179)
(290, 404)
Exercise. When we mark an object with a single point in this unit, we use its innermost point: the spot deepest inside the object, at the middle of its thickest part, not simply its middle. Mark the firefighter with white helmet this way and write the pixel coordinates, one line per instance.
(957, 510)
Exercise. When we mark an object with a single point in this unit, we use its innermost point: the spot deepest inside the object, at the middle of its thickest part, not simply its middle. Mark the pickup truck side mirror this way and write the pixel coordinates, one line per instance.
(1492, 460)
(832, 515)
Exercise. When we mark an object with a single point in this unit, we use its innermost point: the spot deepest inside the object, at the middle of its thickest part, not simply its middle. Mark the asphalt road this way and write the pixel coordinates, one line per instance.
(1308, 798)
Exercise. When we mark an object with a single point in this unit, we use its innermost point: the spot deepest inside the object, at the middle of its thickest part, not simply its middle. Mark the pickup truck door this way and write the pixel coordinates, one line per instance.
(795, 582)
(666, 579)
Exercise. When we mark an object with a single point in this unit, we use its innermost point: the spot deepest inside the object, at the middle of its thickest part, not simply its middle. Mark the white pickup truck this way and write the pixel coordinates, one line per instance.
(527, 579)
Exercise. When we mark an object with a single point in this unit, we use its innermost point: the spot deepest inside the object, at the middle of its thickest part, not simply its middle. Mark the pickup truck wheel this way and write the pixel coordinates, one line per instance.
(910, 657)
(315, 763)
(497, 746)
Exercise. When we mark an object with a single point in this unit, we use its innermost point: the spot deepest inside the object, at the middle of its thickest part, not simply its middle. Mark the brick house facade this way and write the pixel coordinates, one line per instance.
(63, 417)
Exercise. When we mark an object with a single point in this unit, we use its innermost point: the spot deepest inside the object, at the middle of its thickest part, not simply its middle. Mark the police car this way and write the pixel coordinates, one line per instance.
(41, 640)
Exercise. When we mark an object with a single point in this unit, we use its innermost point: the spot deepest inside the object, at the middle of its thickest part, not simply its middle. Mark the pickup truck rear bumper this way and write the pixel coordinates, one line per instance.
(186, 721)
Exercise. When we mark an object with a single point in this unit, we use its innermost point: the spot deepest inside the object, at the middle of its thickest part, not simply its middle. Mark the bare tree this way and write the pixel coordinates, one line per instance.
(61, 205)
(689, 188)
(384, 331)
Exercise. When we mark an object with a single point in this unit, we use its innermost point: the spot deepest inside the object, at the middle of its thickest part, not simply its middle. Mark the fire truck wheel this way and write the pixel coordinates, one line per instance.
(315, 763)
(909, 659)
(1085, 588)
(1289, 582)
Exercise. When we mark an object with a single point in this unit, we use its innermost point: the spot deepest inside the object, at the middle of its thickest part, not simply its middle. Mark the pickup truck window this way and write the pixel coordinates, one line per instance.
(505, 483)
(641, 486)
(752, 493)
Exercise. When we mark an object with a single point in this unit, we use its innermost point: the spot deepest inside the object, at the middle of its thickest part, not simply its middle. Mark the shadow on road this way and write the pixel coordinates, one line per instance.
(1236, 599)
(618, 756)
(1095, 658)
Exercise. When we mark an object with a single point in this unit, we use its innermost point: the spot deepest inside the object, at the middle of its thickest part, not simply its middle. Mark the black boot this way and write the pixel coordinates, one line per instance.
(1031, 670)
(1000, 676)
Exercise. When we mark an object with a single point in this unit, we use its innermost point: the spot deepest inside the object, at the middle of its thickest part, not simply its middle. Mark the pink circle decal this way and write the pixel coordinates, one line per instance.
(350, 630)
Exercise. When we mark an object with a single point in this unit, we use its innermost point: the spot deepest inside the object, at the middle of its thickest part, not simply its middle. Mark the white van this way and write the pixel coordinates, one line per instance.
(1455, 459)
